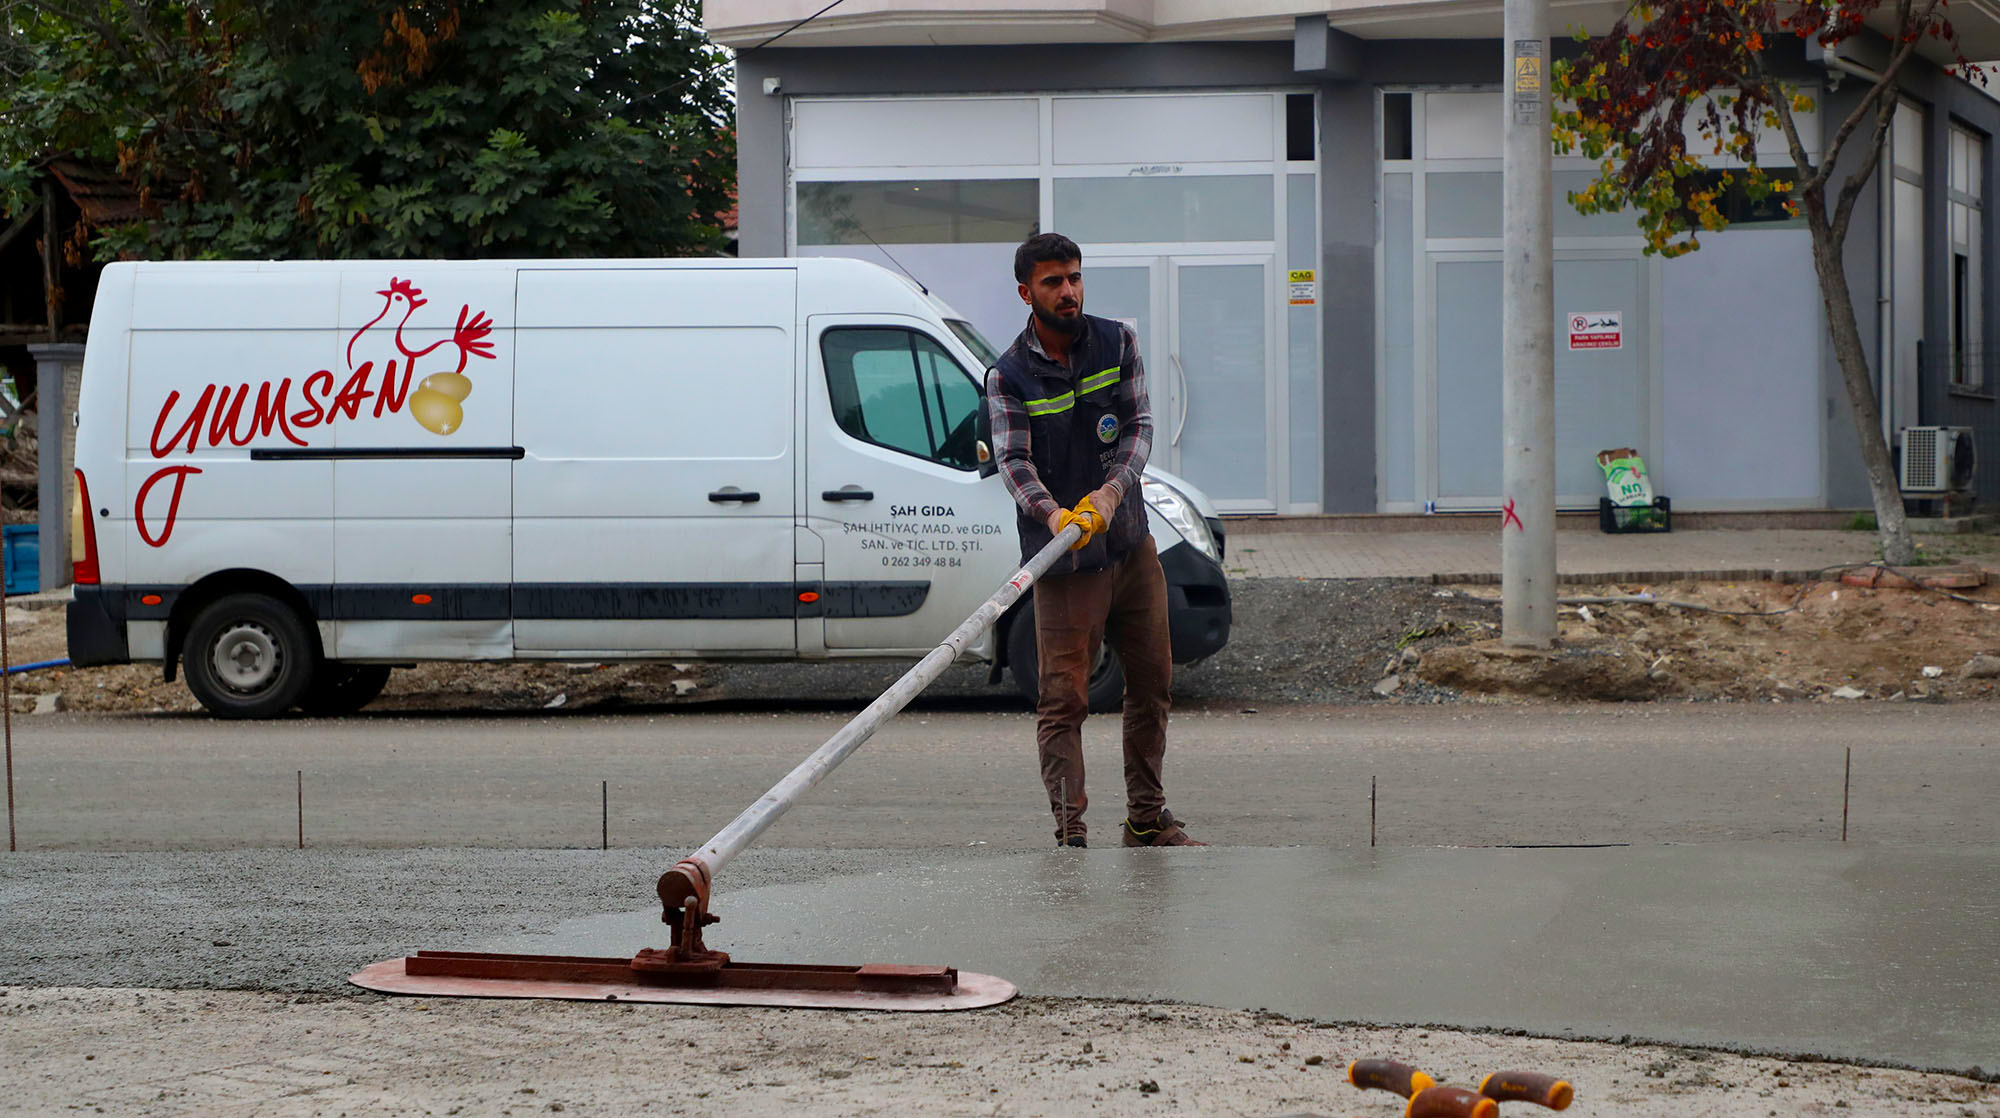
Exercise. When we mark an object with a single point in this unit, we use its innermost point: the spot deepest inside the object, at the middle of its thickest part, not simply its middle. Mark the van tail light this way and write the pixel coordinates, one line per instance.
(82, 536)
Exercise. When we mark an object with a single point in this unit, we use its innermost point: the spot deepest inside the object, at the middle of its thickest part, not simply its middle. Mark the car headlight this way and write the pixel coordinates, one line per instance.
(1180, 512)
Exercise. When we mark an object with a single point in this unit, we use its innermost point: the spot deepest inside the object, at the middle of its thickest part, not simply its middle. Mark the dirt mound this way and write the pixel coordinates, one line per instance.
(1776, 641)
(1600, 668)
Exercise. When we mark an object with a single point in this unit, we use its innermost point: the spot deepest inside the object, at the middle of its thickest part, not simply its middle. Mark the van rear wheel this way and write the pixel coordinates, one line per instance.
(1107, 676)
(340, 689)
(248, 656)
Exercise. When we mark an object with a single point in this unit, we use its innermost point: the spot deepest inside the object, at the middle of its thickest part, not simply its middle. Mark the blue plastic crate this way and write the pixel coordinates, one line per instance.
(23, 557)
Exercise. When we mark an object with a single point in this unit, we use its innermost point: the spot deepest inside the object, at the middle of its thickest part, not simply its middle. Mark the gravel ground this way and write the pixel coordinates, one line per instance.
(1292, 641)
(146, 1052)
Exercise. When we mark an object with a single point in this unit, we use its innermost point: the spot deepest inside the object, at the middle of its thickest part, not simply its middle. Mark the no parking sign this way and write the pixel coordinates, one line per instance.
(1596, 330)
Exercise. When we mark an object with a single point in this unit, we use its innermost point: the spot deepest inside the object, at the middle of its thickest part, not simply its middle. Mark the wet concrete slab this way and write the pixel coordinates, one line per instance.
(1875, 954)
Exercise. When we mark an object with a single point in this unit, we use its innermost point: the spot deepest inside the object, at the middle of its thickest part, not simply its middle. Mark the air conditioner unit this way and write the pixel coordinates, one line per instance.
(1938, 459)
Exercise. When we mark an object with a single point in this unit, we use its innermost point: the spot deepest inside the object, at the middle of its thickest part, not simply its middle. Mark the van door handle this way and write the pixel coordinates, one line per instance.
(848, 495)
(739, 496)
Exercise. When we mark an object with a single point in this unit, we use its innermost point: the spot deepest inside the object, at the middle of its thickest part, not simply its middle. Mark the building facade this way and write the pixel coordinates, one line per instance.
(1299, 210)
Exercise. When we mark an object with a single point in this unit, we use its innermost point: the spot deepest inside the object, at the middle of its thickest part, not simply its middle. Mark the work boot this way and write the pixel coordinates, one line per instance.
(1164, 831)
(1074, 840)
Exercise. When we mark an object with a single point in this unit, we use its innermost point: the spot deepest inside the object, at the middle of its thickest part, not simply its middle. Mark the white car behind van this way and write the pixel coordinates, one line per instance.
(293, 476)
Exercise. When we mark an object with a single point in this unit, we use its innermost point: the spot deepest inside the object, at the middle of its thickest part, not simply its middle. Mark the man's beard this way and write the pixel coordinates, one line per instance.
(1072, 325)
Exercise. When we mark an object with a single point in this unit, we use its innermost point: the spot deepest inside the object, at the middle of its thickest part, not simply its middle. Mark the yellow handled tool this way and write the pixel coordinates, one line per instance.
(1451, 1102)
(1528, 1086)
(1388, 1075)
(1427, 1098)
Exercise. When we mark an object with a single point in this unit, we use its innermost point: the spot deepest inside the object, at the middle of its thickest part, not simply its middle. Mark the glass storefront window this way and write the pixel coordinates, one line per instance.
(1165, 209)
(917, 211)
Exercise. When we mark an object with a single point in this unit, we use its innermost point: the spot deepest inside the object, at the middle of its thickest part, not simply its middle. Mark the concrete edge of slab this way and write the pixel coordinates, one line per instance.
(1976, 1072)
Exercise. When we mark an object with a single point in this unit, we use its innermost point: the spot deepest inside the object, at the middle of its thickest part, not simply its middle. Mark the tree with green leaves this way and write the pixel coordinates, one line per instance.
(1676, 80)
(378, 128)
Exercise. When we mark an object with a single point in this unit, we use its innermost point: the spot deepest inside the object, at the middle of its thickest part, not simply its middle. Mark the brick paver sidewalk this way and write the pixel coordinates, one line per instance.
(1712, 553)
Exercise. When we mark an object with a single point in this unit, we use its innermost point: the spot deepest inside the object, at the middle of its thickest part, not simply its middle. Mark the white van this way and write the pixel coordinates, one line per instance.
(293, 476)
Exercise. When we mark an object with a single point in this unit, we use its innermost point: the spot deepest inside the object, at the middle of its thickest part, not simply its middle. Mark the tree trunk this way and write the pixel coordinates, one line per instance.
(1853, 359)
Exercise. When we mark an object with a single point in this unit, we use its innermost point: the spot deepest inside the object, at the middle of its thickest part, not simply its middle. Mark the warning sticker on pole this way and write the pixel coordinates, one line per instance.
(1305, 289)
(1597, 330)
(1527, 69)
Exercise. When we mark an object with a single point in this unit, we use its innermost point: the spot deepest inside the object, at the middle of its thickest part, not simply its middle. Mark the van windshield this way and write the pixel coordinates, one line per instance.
(973, 341)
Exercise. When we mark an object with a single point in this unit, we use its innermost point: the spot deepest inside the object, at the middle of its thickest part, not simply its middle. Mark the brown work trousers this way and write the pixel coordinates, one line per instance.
(1074, 614)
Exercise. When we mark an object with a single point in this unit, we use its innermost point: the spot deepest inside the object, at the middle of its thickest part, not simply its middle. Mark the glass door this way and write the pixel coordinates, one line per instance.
(1218, 426)
(1128, 289)
(1204, 325)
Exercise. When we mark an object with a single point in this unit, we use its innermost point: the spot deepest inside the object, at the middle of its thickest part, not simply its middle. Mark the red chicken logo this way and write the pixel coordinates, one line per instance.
(436, 405)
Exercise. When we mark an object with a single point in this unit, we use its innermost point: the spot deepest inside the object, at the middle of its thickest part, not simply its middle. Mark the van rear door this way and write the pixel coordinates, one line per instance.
(654, 502)
(218, 357)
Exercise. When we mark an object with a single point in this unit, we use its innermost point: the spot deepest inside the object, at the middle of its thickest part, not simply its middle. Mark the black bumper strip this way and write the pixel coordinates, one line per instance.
(366, 453)
(662, 601)
(841, 600)
(552, 601)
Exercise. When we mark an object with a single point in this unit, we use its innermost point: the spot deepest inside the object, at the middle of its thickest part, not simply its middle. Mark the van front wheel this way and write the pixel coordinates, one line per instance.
(248, 656)
(1107, 676)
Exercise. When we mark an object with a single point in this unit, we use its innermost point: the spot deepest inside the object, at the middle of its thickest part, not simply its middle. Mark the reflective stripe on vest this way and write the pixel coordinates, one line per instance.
(1099, 380)
(1054, 404)
(1051, 405)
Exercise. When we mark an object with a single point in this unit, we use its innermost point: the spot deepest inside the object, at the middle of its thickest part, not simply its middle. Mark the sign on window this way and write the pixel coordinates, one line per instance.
(1596, 330)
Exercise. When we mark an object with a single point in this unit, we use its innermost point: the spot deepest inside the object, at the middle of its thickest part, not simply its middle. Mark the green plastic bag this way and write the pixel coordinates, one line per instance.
(1625, 477)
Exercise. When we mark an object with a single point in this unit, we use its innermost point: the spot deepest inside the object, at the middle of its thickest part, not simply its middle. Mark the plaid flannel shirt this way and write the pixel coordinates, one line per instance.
(1010, 425)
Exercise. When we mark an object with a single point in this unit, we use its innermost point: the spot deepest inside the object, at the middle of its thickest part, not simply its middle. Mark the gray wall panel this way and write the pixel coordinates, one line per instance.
(1846, 478)
(1945, 97)
(760, 163)
(1952, 98)
(1347, 205)
(1020, 69)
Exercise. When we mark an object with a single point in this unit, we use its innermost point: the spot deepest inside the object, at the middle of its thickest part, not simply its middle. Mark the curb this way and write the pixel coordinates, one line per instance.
(1573, 578)
(1711, 574)
(1567, 520)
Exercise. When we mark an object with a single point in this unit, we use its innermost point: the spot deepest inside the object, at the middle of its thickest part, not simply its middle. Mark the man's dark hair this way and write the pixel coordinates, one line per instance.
(1040, 248)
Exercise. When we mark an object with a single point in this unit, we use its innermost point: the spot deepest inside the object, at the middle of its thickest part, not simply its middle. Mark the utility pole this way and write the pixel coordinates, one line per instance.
(1527, 336)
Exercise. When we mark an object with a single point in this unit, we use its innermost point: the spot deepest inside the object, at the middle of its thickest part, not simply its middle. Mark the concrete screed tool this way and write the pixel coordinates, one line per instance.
(688, 971)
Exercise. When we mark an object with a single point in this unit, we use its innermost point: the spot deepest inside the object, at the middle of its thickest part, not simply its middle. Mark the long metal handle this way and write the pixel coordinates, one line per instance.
(1180, 424)
(759, 816)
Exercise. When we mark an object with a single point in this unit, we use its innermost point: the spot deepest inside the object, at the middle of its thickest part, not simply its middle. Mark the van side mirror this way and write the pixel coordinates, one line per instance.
(983, 449)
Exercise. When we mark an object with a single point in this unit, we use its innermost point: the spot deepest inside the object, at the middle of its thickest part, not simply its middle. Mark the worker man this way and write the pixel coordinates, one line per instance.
(1071, 430)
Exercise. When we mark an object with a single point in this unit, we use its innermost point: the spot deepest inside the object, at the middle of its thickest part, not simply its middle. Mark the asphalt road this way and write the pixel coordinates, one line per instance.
(1456, 775)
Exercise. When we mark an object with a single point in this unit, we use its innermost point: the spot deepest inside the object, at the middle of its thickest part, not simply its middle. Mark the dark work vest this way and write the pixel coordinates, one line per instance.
(1073, 432)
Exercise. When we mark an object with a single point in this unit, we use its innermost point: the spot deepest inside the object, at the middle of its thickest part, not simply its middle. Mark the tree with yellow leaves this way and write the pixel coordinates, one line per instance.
(1675, 81)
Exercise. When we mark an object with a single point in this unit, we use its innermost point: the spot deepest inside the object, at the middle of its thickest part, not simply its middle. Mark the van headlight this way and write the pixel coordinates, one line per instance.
(1180, 512)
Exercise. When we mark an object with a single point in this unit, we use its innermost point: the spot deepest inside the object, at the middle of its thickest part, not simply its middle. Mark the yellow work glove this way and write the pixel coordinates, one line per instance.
(1063, 518)
(1092, 520)
(1101, 503)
